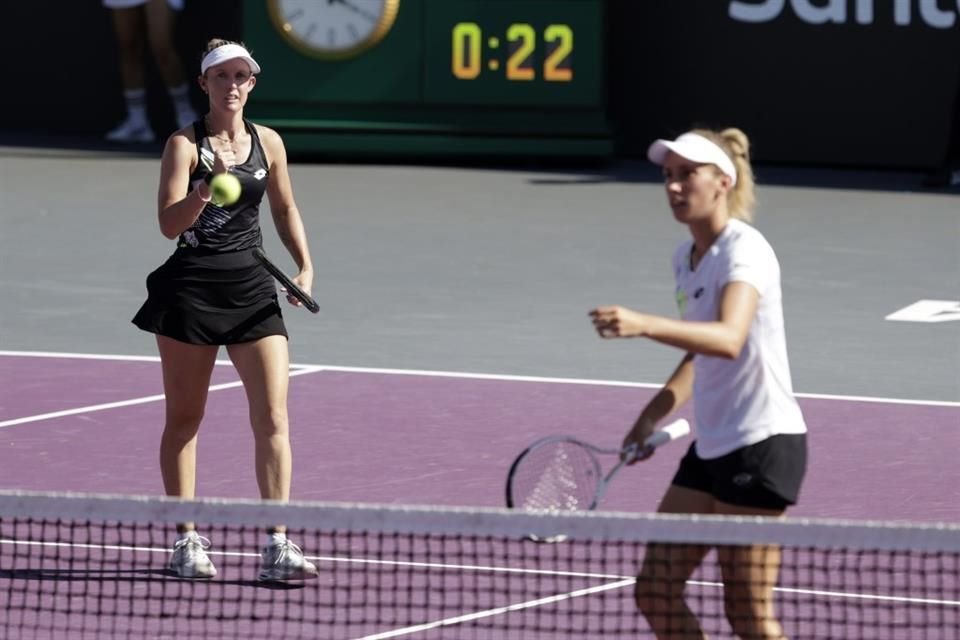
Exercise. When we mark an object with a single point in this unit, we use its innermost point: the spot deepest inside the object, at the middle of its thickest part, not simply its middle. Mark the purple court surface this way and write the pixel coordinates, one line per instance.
(92, 424)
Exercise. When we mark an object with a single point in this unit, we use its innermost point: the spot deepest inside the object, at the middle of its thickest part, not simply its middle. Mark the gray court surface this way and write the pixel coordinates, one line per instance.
(493, 269)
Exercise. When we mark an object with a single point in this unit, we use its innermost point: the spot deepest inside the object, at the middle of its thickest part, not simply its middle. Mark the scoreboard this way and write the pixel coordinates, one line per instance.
(515, 77)
(544, 54)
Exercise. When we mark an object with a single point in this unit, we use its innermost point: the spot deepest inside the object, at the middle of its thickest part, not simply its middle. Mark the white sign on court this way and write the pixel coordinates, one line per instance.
(928, 311)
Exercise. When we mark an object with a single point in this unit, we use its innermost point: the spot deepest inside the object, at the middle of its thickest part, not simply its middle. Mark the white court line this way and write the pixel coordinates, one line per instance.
(87, 546)
(312, 368)
(446, 622)
(126, 403)
(626, 582)
(88, 409)
(610, 383)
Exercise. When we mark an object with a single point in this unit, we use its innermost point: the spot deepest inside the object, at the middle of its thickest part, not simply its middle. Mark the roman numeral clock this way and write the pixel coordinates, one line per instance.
(431, 77)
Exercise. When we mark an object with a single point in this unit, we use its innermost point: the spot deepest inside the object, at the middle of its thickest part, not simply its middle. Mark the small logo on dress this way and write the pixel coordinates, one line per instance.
(207, 158)
(698, 293)
(259, 174)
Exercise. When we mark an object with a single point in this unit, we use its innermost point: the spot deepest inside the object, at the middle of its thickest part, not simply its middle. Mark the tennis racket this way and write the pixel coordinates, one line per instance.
(287, 283)
(560, 474)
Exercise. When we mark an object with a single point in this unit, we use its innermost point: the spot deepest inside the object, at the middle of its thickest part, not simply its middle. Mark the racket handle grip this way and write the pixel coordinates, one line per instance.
(673, 431)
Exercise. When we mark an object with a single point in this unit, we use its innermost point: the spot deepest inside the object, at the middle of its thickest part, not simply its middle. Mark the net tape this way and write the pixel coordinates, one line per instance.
(480, 521)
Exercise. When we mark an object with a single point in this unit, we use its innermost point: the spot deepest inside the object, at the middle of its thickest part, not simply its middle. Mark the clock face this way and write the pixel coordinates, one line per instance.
(333, 28)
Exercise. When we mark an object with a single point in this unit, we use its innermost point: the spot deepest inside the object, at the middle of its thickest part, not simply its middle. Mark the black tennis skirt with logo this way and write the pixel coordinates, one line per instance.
(766, 475)
(212, 299)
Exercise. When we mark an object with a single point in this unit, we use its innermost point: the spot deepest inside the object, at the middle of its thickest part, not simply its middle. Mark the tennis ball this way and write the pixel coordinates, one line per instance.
(224, 189)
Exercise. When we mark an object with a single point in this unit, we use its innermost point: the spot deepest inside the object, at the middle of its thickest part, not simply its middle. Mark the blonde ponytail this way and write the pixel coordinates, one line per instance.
(742, 199)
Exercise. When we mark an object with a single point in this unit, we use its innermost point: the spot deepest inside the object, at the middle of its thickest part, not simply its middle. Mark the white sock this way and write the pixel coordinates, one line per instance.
(180, 95)
(183, 535)
(136, 100)
(276, 538)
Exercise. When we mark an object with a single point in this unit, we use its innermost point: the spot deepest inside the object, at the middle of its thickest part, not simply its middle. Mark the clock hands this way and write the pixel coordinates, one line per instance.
(352, 7)
(333, 29)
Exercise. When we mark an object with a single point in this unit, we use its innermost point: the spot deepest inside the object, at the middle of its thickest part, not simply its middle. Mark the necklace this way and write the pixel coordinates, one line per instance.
(230, 142)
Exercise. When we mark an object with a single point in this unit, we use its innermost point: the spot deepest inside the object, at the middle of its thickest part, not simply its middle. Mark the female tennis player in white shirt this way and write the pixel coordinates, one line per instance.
(749, 453)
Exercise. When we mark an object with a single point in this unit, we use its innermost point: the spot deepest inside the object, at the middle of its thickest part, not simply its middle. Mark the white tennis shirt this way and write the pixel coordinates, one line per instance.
(743, 401)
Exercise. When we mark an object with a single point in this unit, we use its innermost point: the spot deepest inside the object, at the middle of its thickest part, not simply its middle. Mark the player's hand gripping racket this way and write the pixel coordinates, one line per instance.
(561, 474)
(287, 283)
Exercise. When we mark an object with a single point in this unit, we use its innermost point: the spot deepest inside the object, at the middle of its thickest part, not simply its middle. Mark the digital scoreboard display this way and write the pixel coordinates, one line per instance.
(504, 53)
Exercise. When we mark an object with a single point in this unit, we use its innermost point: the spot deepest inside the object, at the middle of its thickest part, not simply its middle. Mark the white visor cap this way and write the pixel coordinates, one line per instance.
(695, 148)
(228, 52)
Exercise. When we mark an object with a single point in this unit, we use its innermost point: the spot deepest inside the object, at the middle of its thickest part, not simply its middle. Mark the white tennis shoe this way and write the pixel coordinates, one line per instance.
(189, 559)
(283, 560)
(131, 130)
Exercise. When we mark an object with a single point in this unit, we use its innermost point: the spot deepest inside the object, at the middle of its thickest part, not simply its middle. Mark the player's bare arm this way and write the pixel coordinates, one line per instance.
(176, 211)
(283, 207)
(722, 338)
(674, 394)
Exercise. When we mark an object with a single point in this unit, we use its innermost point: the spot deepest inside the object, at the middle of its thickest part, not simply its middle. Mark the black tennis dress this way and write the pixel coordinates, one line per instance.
(212, 290)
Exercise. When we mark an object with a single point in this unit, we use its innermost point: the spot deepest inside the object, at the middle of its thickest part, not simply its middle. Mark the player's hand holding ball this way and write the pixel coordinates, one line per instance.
(224, 189)
(224, 186)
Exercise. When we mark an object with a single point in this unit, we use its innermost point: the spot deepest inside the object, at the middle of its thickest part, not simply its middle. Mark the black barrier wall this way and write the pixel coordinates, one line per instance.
(60, 64)
(849, 82)
(868, 83)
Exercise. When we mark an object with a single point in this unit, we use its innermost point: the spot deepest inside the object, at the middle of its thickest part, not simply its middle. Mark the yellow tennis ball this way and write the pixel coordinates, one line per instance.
(224, 189)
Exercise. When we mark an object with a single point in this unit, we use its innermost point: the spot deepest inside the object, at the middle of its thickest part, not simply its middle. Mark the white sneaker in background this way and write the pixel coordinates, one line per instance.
(131, 130)
(189, 559)
(283, 560)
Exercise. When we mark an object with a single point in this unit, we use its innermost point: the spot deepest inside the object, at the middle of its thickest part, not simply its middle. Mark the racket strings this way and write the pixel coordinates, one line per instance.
(556, 478)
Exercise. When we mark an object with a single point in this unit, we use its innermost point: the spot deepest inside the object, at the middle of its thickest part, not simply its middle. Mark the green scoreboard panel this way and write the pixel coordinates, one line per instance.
(523, 77)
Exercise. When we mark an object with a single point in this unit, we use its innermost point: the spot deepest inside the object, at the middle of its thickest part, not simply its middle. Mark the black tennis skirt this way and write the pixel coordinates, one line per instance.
(212, 299)
(767, 474)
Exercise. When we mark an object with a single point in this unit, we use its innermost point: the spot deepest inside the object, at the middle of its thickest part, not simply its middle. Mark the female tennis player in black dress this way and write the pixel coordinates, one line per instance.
(213, 292)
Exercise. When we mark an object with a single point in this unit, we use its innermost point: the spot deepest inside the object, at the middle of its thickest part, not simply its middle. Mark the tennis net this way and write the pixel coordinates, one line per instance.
(93, 566)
